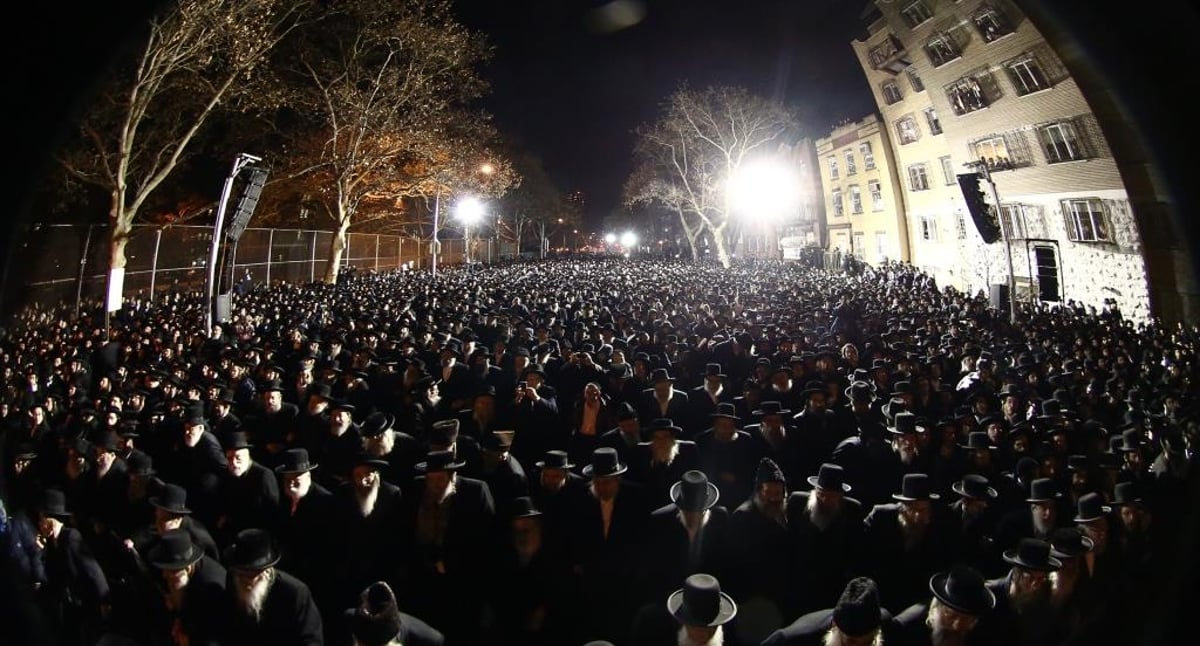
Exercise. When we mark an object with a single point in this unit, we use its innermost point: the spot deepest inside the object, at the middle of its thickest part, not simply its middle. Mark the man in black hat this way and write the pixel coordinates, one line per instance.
(816, 427)
(249, 493)
(906, 541)
(198, 463)
(687, 536)
(606, 532)
(761, 568)
(727, 454)
(950, 618)
(188, 591)
(555, 490)
(171, 513)
(776, 439)
(1038, 520)
(975, 516)
(703, 400)
(304, 530)
(907, 445)
(268, 605)
(825, 528)
(401, 451)
(531, 590)
(75, 586)
(535, 416)
(452, 518)
(338, 445)
(857, 618)
(662, 399)
(271, 422)
(1023, 612)
(376, 621)
(108, 485)
(314, 415)
(225, 421)
(662, 460)
(698, 614)
(624, 438)
(503, 472)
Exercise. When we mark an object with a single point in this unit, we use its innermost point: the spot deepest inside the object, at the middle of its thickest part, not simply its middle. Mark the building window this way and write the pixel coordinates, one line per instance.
(915, 81)
(876, 190)
(880, 55)
(1014, 221)
(1061, 142)
(966, 95)
(931, 118)
(948, 175)
(927, 227)
(868, 155)
(851, 167)
(838, 209)
(907, 129)
(859, 243)
(881, 245)
(855, 200)
(1026, 75)
(1085, 220)
(891, 93)
(916, 13)
(993, 152)
(992, 24)
(960, 225)
(942, 49)
(833, 167)
(918, 177)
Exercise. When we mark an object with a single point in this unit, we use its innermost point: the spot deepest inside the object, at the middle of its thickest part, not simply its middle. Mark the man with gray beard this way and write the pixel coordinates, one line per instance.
(659, 463)
(907, 541)
(1023, 613)
(190, 592)
(1038, 520)
(825, 529)
(761, 555)
(269, 605)
(368, 522)
(858, 619)
(950, 618)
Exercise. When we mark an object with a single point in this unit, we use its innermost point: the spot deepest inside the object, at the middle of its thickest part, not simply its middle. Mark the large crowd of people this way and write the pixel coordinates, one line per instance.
(596, 450)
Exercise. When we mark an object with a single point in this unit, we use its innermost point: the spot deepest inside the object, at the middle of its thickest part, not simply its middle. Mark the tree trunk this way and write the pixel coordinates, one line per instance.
(691, 238)
(337, 247)
(722, 246)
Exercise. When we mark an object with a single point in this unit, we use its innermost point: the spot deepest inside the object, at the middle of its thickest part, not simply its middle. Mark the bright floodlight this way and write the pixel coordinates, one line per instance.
(763, 189)
(628, 239)
(469, 210)
(610, 238)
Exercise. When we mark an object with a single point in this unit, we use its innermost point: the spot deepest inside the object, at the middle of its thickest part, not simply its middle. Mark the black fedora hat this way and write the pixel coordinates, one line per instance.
(1070, 542)
(915, 486)
(1090, 507)
(830, 477)
(905, 422)
(626, 411)
(444, 432)
(172, 498)
(364, 458)
(963, 589)
(523, 507)
(860, 391)
(1126, 493)
(714, 370)
(1032, 554)
(858, 610)
(139, 463)
(376, 424)
(660, 374)
(274, 385)
(978, 440)
(1079, 463)
(235, 440)
(693, 492)
(252, 551)
(605, 462)
(974, 486)
(726, 410)
(174, 550)
(665, 424)
(555, 459)
(439, 461)
(54, 504)
(1043, 490)
(319, 389)
(295, 461)
(770, 408)
(700, 602)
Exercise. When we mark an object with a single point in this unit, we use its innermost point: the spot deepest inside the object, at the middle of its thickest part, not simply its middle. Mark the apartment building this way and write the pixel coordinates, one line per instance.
(864, 211)
(970, 82)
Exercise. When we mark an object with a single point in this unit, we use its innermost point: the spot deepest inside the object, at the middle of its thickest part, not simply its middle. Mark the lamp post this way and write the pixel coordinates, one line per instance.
(765, 189)
(435, 246)
(470, 210)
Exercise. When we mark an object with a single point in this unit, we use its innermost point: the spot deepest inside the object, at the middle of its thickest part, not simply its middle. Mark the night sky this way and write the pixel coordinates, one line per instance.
(573, 94)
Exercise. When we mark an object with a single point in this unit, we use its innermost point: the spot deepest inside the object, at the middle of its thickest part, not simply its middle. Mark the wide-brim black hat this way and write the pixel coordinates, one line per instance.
(174, 550)
(54, 504)
(173, 499)
(975, 486)
(605, 462)
(252, 551)
(694, 492)
(376, 424)
(774, 409)
(964, 590)
(439, 461)
(700, 602)
(555, 459)
(830, 477)
(295, 461)
(914, 487)
(1032, 554)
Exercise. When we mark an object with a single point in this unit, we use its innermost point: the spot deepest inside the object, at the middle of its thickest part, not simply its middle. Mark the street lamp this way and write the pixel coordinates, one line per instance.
(469, 211)
(436, 246)
(610, 238)
(765, 189)
(629, 239)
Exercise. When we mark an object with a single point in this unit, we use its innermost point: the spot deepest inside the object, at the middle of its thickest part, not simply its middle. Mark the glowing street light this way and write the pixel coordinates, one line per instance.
(763, 188)
(610, 238)
(469, 211)
(629, 239)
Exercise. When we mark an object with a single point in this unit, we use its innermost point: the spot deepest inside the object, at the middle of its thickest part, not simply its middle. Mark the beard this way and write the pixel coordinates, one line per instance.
(913, 533)
(682, 639)
(1041, 528)
(822, 516)
(660, 454)
(835, 638)
(250, 599)
(776, 511)
(908, 455)
(366, 498)
(940, 633)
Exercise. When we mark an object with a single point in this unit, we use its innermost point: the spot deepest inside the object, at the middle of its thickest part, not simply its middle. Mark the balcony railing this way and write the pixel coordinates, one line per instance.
(889, 56)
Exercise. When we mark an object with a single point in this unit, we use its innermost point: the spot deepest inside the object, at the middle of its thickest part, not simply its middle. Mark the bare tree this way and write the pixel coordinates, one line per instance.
(198, 58)
(380, 90)
(701, 140)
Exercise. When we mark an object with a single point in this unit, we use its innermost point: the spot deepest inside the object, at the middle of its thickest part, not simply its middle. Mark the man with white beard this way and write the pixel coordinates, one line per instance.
(337, 447)
(369, 531)
(269, 605)
(857, 619)
(950, 618)
(400, 450)
(698, 614)
(304, 532)
(906, 444)
(825, 529)
(198, 465)
(1023, 613)
(974, 512)
(907, 541)
(249, 492)
(661, 462)
(1036, 521)
(189, 593)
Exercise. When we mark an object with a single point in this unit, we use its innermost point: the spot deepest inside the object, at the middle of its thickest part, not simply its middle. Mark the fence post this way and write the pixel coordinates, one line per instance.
(377, 253)
(270, 252)
(312, 263)
(154, 262)
(87, 243)
(399, 252)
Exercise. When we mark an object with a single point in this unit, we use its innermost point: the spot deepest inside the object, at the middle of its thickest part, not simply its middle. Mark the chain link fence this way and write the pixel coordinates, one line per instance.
(61, 264)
